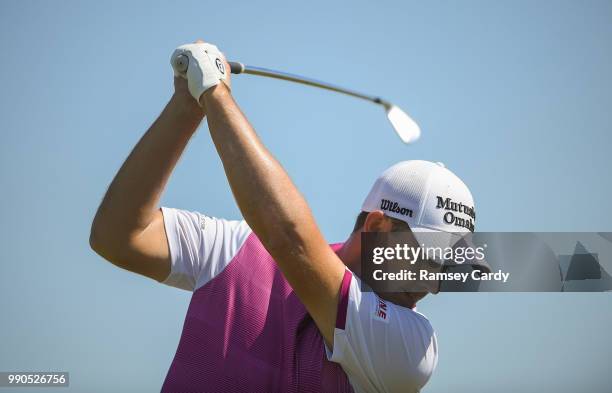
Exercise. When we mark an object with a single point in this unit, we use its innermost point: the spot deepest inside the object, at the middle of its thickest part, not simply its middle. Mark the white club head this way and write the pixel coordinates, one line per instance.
(406, 128)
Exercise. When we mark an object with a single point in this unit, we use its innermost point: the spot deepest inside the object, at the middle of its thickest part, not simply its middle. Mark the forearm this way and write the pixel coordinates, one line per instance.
(265, 194)
(133, 196)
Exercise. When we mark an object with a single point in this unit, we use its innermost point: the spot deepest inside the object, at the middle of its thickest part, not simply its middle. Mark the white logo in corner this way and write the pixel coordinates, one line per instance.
(382, 311)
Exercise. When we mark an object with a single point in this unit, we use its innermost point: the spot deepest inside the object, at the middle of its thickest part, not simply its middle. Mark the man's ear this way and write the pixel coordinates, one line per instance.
(376, 221)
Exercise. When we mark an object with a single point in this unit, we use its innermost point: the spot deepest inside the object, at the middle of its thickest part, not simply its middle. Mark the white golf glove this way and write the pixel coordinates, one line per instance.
(204, 67)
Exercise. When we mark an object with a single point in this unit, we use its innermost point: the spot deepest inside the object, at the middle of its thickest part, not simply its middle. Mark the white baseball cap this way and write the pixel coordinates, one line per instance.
(425, 195)
(437, 206)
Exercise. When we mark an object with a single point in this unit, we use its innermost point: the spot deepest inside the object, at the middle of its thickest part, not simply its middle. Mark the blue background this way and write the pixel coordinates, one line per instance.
(513, 96)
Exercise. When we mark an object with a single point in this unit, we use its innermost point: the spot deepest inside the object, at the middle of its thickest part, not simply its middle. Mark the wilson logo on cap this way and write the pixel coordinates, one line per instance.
(394, 207)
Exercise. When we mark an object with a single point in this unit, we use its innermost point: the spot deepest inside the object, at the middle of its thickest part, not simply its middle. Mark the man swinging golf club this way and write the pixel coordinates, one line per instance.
(274, 307)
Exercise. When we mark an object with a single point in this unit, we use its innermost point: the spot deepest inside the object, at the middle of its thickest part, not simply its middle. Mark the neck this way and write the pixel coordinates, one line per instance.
(350, 255)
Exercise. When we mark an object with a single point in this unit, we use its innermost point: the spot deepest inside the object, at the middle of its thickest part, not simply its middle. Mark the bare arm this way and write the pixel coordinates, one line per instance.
(275, 210)
(128, 228)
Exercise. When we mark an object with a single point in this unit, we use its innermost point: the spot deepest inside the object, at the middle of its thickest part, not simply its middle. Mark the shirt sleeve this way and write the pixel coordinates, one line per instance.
(382, 347)
(200, 246)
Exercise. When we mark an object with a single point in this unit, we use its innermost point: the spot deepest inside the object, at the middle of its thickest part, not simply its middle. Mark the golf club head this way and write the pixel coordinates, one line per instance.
(406, 128)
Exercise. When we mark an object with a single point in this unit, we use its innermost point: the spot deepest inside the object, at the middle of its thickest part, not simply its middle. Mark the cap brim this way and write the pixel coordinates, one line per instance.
(445, 239)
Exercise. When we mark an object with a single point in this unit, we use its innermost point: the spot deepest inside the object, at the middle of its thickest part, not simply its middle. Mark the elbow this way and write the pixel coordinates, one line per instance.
(102, 241)
(96, 238)
(110, 242)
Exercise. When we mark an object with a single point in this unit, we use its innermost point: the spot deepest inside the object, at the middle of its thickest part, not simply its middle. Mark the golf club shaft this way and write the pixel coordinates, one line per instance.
(239, 68)
(407, 129)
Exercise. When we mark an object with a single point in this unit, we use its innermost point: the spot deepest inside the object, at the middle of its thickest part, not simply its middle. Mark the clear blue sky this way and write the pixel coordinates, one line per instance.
(513, 96)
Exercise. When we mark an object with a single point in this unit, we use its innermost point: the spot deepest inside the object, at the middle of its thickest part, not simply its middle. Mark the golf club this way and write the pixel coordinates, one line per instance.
(407, 129)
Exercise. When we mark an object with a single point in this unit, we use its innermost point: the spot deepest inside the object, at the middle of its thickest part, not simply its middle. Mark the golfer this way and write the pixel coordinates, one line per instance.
(274, 308)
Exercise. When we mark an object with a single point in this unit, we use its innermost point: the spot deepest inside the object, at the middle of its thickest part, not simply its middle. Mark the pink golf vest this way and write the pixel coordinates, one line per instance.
(246, 331)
